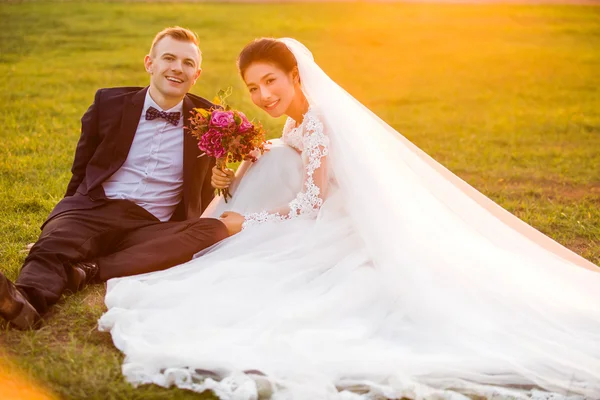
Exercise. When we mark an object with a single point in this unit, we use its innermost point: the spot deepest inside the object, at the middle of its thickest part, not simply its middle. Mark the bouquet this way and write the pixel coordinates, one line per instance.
(226, 134)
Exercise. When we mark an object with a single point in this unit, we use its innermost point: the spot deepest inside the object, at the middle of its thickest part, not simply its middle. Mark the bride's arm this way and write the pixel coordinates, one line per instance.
(241, 171)
(310, 199)
(208, 211)
(239, 174)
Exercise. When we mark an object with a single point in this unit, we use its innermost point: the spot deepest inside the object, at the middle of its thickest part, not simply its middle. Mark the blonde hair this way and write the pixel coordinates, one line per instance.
(178, 33)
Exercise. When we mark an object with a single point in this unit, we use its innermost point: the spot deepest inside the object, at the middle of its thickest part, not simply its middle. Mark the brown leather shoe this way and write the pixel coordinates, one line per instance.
(15, 308)
(81, 274)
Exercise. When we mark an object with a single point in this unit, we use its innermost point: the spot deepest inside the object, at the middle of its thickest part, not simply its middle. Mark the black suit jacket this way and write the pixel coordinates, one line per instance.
(107, 131)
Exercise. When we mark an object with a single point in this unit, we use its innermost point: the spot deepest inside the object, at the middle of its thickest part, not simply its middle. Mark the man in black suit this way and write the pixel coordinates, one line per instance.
(137, 193)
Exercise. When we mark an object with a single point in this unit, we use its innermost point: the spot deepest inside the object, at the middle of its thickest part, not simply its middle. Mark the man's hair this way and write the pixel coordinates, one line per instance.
(178, 33)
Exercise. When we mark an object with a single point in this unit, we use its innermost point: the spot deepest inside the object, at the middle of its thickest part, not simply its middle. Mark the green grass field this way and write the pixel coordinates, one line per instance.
(506, 96)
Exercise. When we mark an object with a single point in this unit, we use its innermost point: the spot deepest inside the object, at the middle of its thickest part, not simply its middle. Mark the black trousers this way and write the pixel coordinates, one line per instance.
(122, 237)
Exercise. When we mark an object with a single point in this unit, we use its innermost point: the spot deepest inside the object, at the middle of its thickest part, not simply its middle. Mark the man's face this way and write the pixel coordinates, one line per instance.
(174, 67)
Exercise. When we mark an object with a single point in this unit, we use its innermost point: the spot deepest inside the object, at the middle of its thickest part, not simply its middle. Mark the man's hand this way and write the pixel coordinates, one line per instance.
(233, 221)
(221, 179)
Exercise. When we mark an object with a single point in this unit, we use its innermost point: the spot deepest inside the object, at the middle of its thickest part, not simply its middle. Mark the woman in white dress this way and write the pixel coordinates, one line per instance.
(364, 270)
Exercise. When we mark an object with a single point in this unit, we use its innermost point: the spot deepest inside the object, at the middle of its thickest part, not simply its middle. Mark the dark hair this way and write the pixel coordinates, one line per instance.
(267, 50)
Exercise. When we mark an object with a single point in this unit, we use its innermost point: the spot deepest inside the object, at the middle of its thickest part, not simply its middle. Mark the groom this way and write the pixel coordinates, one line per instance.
(137, 191)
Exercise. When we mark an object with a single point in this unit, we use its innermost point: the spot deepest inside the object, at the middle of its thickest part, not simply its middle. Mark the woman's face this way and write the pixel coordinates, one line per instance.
(271, 88)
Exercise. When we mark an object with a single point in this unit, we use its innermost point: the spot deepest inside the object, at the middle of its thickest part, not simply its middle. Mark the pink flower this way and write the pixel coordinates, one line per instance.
(222, 119)
(227, 134)
(246, 126)
(221, 153)
(211, 143)
(242, 116)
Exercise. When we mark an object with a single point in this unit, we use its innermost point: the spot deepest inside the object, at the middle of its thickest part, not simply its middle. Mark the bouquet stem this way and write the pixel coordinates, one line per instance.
(222, 165)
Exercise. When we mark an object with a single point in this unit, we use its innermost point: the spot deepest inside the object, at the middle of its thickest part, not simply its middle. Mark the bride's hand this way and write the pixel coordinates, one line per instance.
(221, 179)
(233, 221)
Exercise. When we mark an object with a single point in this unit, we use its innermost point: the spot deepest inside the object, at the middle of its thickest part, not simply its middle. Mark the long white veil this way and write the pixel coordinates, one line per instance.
(502, 302)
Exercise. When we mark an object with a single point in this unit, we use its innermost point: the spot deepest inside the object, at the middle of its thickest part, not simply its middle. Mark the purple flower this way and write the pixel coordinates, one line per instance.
(220, 153)
(222, 119)
(246, 126)
(210, 143)
(242, 116)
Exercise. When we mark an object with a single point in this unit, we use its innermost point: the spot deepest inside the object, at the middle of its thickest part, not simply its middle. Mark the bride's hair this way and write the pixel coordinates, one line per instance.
(267, 50)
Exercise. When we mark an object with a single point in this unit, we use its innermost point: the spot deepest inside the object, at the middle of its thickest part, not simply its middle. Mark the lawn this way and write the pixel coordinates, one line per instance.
(506, 96)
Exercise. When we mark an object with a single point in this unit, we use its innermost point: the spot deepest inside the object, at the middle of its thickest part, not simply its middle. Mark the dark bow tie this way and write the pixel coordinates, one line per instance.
(171, 117)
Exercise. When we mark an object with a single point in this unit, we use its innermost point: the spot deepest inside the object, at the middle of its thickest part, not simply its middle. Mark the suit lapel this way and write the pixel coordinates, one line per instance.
(130, 117)
(194, 168)
(189, 153)
(132, 110)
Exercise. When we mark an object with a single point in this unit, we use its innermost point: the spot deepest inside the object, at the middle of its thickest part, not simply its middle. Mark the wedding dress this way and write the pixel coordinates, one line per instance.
(365, 270)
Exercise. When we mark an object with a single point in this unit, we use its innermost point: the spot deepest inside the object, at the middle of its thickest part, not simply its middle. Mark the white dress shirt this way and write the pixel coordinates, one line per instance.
(152, 174)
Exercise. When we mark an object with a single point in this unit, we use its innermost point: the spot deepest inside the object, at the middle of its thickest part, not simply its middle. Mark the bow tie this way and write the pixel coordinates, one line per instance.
(170, 117)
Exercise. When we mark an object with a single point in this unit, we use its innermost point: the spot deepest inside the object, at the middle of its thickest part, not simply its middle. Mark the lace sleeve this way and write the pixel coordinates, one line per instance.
(315, 145)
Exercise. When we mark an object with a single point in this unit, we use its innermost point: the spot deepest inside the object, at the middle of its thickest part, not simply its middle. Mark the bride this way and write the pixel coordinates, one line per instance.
(363, 270)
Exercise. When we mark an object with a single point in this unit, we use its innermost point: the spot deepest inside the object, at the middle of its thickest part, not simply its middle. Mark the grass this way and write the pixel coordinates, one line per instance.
(506, 96)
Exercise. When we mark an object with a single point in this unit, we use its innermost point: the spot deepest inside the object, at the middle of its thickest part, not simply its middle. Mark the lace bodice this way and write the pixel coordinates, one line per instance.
(308, 138)
(292, 135)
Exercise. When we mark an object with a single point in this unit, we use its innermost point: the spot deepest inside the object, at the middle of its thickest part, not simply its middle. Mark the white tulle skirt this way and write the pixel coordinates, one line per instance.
(299, 310)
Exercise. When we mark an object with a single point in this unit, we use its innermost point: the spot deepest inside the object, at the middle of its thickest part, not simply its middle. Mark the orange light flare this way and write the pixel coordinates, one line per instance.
(14, 385)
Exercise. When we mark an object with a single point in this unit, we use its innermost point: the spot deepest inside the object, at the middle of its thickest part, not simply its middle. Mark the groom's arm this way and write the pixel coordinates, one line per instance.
(86, 147)
(208, 192)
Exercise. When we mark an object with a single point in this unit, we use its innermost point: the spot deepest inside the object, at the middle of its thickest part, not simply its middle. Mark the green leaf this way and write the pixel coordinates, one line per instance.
(223, 95)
